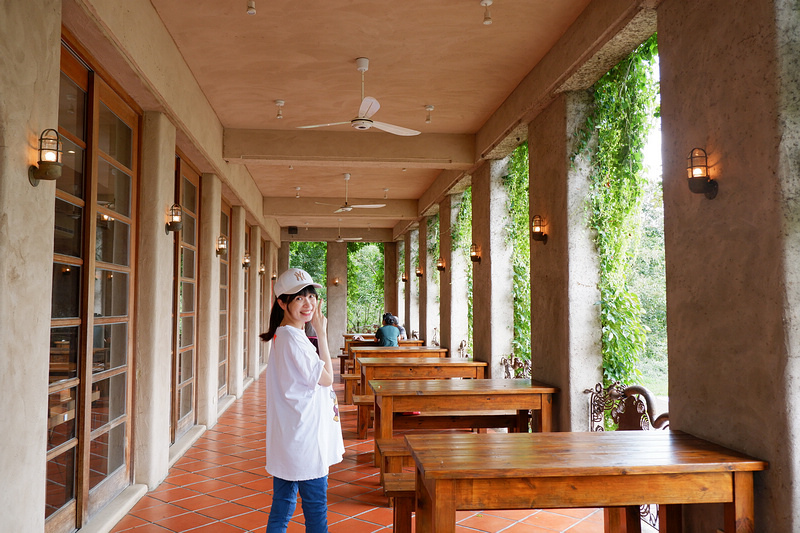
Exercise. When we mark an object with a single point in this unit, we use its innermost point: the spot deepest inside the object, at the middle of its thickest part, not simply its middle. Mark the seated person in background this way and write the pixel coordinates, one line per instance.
(388, 333)
(401, 328)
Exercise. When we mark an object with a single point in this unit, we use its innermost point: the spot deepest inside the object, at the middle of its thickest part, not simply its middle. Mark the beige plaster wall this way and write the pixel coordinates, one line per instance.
(412, 285)
(337, 296)
(453, 281)
(732, 300)
(390, 277)
(236, 311)
(29, 73)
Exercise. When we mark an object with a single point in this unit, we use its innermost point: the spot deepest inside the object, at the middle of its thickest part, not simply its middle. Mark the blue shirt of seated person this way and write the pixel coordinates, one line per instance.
(388, 333)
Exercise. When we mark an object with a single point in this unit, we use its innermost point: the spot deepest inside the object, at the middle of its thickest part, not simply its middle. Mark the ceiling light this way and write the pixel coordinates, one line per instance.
(297, 192)
(251, 7)
(279, 103)
(385, 193)
(487, 17)
(428, 108)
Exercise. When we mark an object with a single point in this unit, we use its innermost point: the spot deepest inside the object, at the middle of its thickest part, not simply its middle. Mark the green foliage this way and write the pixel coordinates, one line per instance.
(432, 242)
(613, 137)
(364, 286)
(461, 235)
(311, 257)
(516, 184)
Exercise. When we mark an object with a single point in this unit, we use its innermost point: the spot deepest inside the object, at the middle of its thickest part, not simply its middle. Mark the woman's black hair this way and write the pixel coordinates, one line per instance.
(388, 319)
(276, 315)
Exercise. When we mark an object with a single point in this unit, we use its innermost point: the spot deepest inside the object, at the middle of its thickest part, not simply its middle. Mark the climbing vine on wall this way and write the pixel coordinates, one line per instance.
(461, 236)
(612, 138)
(432, 242)
(516, 185)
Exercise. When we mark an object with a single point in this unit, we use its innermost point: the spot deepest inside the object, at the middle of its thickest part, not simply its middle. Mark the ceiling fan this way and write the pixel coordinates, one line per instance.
(369, 106)
(347, 207)
(339, 237)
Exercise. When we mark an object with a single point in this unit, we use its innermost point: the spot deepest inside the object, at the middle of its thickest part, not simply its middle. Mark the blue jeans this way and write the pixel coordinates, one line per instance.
(314, 495)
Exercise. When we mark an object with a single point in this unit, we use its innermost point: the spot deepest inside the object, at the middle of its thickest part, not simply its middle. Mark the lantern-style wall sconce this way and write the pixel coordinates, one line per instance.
(50, 152)
(262, 269)
(335, 282)
(698, 178)
(274, 276)
(537, 229)
(174, 219)
(440, 264)
(475, 253)
(403, 277)
(246, 261)
(222, 245)
(418, 271)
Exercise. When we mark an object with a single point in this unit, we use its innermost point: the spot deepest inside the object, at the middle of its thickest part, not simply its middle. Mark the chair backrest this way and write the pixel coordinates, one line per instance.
(631, 408)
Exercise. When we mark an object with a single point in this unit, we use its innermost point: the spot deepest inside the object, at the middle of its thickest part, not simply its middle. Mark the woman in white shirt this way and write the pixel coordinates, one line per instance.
(304, 435)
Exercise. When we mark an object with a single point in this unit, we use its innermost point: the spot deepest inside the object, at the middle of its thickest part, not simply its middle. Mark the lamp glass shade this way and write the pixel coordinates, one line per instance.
(222, 245)
(697, 164)
(50, 149)
(474, 253)
(440, 264)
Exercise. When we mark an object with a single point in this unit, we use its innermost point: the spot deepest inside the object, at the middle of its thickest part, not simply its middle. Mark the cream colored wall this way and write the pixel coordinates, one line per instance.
(336, 266)
(29, 74)
(731, 279)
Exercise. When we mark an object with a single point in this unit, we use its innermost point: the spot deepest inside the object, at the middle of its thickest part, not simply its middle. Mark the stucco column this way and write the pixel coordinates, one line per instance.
(29, 85)
(453, 280)
(732, 262)
(155, 279)
(430, 280)
(412, 285)
(283, 257)
(254, 304)
(390, 278)
(565, 319)
(208, 301)
(492, 287)
(402, 286)
(236, 256)
(269, 298)
(423, 282)
(337, 296)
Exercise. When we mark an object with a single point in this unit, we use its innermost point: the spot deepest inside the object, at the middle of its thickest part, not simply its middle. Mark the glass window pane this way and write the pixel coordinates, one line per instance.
(222, 377)
(223, 349)
(223, 299)
(186, 370)
(113, 188)
(186, 400)
(187, 262)
(61, 417)
(223, 274)
(223, 226)
(188, 234)
(71, 180)
(69, 218)
(107, 455)
(110, 293)
(189, 200)
(66, 291)
(72, 108)
(223, 324)
(110, 346)
(114, 136)
(108, 400)
(186, 331)
(187, 297)
(112, 241)
(63, 353)
(60, 482)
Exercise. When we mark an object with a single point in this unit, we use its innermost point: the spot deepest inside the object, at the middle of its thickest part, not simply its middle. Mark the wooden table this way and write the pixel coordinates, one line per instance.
(442, 395)
(563, 470)
(417, 368)
(359, 352)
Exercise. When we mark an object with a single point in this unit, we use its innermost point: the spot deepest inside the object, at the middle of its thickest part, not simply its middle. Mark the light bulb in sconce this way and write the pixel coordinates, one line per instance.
(440, 264)
(537, 229)
(222, 245)
(246, 261)
(174, 219)
(475, 253)
(49, 164)
(279, 103)
(262, 269)
(428, 108)
(697, 174)
(418, 272)
(335, 282)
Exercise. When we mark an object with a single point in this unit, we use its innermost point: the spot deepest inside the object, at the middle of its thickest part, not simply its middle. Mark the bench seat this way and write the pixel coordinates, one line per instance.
(350, 383)
(457, 419)
(394, 454)
(400, 488)
(364, 403)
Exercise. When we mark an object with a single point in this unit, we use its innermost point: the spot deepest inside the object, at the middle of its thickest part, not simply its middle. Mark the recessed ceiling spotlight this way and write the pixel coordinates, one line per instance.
(297, 192)
(279, 103)
(487, 17)
(428, 108)
(251, 7)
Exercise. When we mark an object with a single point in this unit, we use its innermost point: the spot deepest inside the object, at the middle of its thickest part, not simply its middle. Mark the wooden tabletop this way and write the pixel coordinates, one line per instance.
(410, 368)
(419, 361)
(458, 387)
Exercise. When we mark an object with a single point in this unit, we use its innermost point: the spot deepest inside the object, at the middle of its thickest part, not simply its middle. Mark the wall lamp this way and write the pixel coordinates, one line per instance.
(697, 170)
(418, 272)
(262, 269)
(50, 151)
(222, 245)
(246, 261)
(274, 276)
(174, 219)
(475, 253)
(403, 277)
(537, 229)
(335, 282)
(440, 264)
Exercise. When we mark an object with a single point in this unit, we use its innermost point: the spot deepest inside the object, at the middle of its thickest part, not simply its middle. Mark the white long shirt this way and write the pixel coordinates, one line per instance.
(304, 435)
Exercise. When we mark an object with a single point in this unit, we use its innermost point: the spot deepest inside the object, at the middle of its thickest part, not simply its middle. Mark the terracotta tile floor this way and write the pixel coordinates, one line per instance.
(220, 486)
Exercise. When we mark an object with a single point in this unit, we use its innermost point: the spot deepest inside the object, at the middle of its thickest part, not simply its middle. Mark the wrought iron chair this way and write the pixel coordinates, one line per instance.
(631, 408)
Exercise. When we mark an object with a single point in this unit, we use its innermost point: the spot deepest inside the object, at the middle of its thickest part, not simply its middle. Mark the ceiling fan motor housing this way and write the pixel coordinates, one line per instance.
(361, 123)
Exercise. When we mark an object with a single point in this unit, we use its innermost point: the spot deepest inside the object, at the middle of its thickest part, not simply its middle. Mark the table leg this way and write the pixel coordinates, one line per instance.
(383, 423)
(546, 416)
(622, 519)
(670, 519)
(739, 514)
(436, 509)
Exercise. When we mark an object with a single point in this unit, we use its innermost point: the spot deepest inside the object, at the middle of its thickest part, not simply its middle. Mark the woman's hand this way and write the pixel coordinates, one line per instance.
(319, 322)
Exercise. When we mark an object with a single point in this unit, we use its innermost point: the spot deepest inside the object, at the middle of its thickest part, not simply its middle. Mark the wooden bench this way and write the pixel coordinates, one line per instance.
(400, 488)
(350, 384)
(457, 419)
(364, 404)
(395, 455)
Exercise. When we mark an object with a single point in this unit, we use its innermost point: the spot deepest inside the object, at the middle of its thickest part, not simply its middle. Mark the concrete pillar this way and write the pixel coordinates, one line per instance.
(492, 287)
(336, 265)
(208, 301)
(565, 317)
(155, 278)
(402, 286)
(254, 304)
(732, 262)
(236, 333)
(283, 257)
(412, 285)
(453, 281)
(390, 278)
(269, 297)
(29, 84)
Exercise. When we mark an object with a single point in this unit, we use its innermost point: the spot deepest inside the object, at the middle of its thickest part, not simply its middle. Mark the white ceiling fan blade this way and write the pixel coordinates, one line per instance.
(369, 106)
(323, 125)
(344, 209)
(397, 130)
(369, 206)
